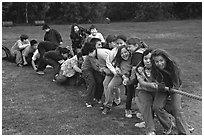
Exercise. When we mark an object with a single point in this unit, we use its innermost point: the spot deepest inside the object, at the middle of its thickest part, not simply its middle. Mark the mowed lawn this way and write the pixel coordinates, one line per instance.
(34, 105)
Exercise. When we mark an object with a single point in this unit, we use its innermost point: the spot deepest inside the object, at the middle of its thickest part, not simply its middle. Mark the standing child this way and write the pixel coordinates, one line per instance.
(77, 35)
(16, 50)
(95, 34)
(110, 42)
(89, 65)
(165, 70)
(136, 47)
(52, 35)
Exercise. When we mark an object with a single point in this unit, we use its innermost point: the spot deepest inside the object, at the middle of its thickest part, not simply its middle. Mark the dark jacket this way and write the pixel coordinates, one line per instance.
(53, 36)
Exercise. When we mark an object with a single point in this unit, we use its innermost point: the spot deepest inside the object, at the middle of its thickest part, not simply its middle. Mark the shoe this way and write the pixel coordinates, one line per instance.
(190, 128)
(19, 65)
(48, 66)
(40, 72)
(128, 113)
(168, 131)
(88, 105)
(151, 133)
(140, 125)
(102, 107)
(139, 116)
(106, 110)
(116, 102)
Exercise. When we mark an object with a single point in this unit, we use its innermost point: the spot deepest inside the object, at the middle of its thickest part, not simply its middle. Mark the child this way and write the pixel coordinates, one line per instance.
(52, 35)
(165, 70)
(89, 64)
(77, 35)
(110, 42)
(43, 47)
(28, 52)
(122, 66)
(16, 49)
(97, 42)
(95, 34)
(111, 71)
(55, 58)
(70, 69)
(137, 48)
(147, 89)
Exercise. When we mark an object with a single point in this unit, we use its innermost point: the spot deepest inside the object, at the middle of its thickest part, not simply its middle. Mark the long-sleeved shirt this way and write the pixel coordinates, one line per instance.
(109, 60)
(90, 63)
(102, 55)
(53, 36)
(20, 45)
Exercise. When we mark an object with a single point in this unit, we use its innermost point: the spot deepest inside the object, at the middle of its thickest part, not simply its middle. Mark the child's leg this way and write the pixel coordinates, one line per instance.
(105, 85)
(146, 100)
(130, 90)
(178, 114)
(90, 82)
(54, 63)
(18, 56)
(99, 82)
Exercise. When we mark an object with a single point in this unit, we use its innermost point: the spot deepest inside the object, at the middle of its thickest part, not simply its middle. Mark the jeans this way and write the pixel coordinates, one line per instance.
(99, 77)
(130, 92)
(18, 56)
(111, 84)
(90, 84)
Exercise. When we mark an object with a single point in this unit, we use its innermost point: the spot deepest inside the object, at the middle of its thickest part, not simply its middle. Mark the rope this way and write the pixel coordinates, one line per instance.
(184, 94)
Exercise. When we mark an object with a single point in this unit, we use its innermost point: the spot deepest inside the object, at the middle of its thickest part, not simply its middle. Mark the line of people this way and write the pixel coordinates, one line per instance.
(105, 66)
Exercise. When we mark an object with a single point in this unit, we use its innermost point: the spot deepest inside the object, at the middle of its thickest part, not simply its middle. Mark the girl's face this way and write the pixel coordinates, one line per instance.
(147, 60)
(132, 47)
(120, 42)
(76, 28)
(98, 44)
(93, 31)
(160, 62)
(124, 54)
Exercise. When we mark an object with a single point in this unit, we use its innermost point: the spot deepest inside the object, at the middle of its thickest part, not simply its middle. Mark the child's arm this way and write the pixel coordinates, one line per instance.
(109, 64)
(33, 65)
(21, 45)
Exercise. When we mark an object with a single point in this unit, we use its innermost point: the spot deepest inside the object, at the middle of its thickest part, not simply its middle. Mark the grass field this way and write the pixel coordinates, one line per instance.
(33, 105)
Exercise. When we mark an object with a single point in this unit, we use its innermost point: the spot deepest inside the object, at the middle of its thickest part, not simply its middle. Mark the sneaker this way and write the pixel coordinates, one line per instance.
(190, 128)
(88, 105)
(151, 133)
(19, 65)
(138, 115)
(106, 110)
(48, 66)
(140, 125)
(116, 102)
(102, 107)
(128, 113)
(168, 131)
(40, 72)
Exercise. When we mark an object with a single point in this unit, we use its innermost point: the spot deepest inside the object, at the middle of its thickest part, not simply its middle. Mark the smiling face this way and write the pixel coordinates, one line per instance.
(119, 42)
(147, 60)
(76, 28)
(132, 47)
(98, 44)
(94, 31)
(160, 62)
(124, 54)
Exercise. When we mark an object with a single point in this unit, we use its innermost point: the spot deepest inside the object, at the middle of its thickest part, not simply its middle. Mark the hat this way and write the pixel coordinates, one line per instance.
(134, 41)
(24, 36)
(45, 26)
(124, 38)
(110, 38)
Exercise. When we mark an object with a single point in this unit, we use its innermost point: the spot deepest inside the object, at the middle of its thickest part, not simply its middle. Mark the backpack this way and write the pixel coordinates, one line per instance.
(8, 57)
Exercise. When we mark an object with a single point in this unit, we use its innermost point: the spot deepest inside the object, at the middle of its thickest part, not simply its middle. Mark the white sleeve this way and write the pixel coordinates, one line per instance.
(109, 60)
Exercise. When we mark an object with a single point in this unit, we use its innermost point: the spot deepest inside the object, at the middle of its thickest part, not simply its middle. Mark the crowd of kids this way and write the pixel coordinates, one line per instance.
(106, 65)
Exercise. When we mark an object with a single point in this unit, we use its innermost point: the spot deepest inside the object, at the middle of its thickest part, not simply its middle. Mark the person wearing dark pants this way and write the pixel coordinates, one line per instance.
(55, 58)
(43, 47)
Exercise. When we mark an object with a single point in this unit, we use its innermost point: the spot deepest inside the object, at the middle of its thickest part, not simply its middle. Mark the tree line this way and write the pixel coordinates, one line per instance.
(96, 12)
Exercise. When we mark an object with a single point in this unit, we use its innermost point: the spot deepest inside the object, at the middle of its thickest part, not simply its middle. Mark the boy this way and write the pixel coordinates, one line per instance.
(52, 35)
(89, 64)
(136, 47)
(95, 34)
(28, 52)
(16, 50)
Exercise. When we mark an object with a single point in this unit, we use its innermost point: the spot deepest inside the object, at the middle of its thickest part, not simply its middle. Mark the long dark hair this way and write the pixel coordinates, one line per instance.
(118, 59)
(170, 75)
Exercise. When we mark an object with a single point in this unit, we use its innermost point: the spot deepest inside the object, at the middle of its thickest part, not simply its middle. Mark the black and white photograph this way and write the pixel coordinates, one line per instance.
(101, 68)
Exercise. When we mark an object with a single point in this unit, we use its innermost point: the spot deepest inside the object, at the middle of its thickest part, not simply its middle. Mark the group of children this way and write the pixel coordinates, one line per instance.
(107, 64)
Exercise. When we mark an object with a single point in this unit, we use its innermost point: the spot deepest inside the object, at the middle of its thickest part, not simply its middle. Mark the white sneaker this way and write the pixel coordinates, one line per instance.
(48, 66)
(151, 133)
(140, 125)
(128, 113)
(40, 72)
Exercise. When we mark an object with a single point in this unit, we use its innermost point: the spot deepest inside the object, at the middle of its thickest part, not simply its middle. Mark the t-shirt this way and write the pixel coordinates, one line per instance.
(68, 66)
(36, 55)
(98, 35)
(27, 50)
